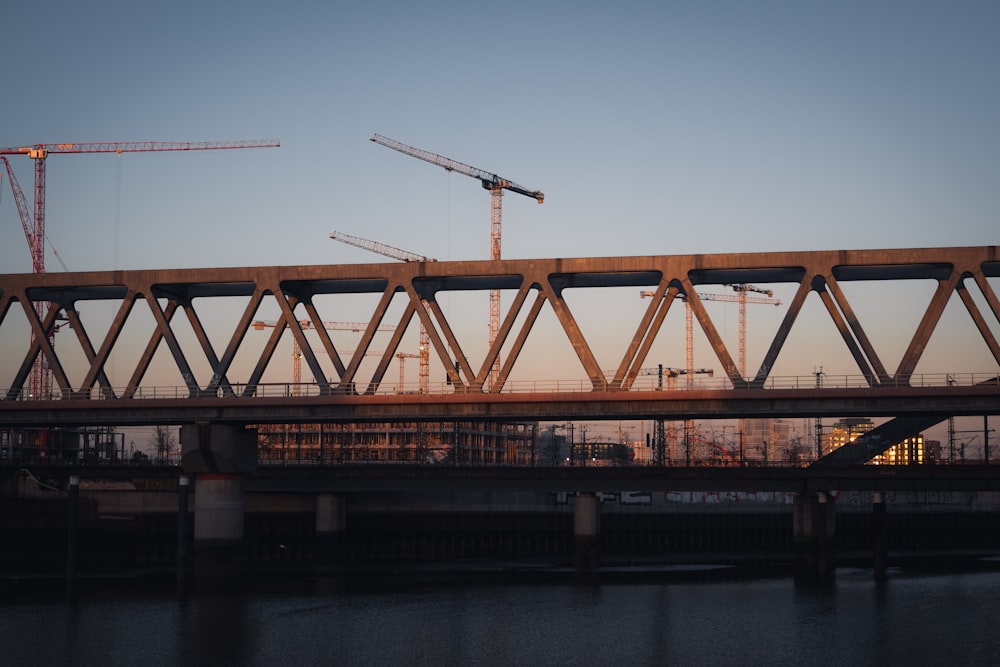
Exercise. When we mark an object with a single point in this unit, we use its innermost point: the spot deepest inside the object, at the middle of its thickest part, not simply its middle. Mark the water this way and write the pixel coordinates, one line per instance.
(927, 619)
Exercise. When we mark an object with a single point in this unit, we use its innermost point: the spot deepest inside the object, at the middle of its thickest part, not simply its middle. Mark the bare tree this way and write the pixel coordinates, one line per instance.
(163, 442)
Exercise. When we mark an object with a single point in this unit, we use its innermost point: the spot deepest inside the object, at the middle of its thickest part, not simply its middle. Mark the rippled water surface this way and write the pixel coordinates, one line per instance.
(912, 620)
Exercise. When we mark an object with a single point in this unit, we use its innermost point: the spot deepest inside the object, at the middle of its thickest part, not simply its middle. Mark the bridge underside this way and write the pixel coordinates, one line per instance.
(936, 403)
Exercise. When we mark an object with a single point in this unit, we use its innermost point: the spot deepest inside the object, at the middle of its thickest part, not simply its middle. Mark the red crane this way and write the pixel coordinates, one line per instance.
(742, 299)
(33, 220)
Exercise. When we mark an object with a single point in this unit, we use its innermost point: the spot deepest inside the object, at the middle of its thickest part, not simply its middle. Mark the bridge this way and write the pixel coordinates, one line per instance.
(185, 370)
(189, 370)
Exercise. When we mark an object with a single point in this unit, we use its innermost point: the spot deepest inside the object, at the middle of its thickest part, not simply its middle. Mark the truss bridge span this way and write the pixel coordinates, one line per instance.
(120, 341)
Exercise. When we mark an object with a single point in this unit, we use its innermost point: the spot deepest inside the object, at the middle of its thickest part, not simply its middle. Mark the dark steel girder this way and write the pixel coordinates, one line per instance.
(390, 478)
(933, 402)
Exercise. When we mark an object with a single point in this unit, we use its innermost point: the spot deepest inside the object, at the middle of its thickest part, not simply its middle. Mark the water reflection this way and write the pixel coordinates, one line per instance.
(941, 619)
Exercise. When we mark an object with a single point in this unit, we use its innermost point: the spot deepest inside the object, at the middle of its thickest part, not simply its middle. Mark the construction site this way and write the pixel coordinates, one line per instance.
(422, 443)
(754, 442)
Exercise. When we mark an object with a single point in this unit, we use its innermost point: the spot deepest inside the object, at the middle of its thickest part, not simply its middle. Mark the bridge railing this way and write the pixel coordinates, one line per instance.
(512, 387)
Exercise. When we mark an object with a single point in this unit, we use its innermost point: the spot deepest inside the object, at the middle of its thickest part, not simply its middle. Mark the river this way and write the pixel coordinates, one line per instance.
(674, 618)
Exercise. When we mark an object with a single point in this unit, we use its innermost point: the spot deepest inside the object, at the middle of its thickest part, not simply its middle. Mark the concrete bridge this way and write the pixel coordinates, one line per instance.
(214, 406)
(141, 305)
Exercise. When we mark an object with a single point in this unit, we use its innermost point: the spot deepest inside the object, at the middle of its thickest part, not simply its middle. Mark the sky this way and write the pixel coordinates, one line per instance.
(652, 128)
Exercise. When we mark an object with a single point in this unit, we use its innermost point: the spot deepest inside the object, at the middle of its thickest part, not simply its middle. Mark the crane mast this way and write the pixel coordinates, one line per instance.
(742, 299)
(24, 212)
(741, 290)
(405, 256)
(40, 379)
(260, 325)
(403, 356)
(33, 221)
(496, 185)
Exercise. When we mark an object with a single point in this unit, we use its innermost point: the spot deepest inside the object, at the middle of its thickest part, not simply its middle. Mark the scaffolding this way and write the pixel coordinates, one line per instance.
(458, 443)
(62, 445)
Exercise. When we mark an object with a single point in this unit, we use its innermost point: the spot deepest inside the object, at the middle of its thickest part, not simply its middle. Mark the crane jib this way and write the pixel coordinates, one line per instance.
(488, 180)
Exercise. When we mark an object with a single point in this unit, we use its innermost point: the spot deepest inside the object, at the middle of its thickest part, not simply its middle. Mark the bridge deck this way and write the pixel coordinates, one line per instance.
(982, 399)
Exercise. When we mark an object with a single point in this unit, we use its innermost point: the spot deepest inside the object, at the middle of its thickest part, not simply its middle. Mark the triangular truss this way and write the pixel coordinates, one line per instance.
(532, 286)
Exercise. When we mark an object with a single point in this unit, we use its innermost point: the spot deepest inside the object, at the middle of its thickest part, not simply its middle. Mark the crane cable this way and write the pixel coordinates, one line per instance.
(47, 239)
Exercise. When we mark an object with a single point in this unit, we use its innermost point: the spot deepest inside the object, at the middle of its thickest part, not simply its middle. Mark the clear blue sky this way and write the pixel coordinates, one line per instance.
(652, 128)
(689, 127)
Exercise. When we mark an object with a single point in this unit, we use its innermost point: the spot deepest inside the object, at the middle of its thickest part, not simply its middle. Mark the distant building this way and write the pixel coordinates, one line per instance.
(908, 452)
(62, 445)
(415, 442)
(767, 440)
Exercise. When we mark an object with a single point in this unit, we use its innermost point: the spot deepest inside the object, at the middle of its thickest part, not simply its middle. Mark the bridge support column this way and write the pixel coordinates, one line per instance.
(814, 522)
(878, 536)
(219, 455)
(72, 533)
(218, 525)
(183, 523)
(585, 531)
(331, 525)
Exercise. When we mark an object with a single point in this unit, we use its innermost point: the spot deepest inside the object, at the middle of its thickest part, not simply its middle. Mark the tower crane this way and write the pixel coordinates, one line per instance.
(380, 248)
(260, 325)
(672, 373)
(741, 290)
(404, 256)
(403, 356)
(33, 220)
(496, 185)
(742, 299)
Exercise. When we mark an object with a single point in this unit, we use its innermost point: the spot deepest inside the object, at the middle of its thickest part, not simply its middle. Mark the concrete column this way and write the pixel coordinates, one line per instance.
(183, 521)
(218, 525)
(331, 526)
(814, 521)
(878, 536)
(72, 533)
(219, 455)
(586, 523)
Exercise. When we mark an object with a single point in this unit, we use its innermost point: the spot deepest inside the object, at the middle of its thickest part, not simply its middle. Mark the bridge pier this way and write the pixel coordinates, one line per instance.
(814, 522)
(218, 525)
(331, 526)
(219, 455)
(586, 523)
(878, 536)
